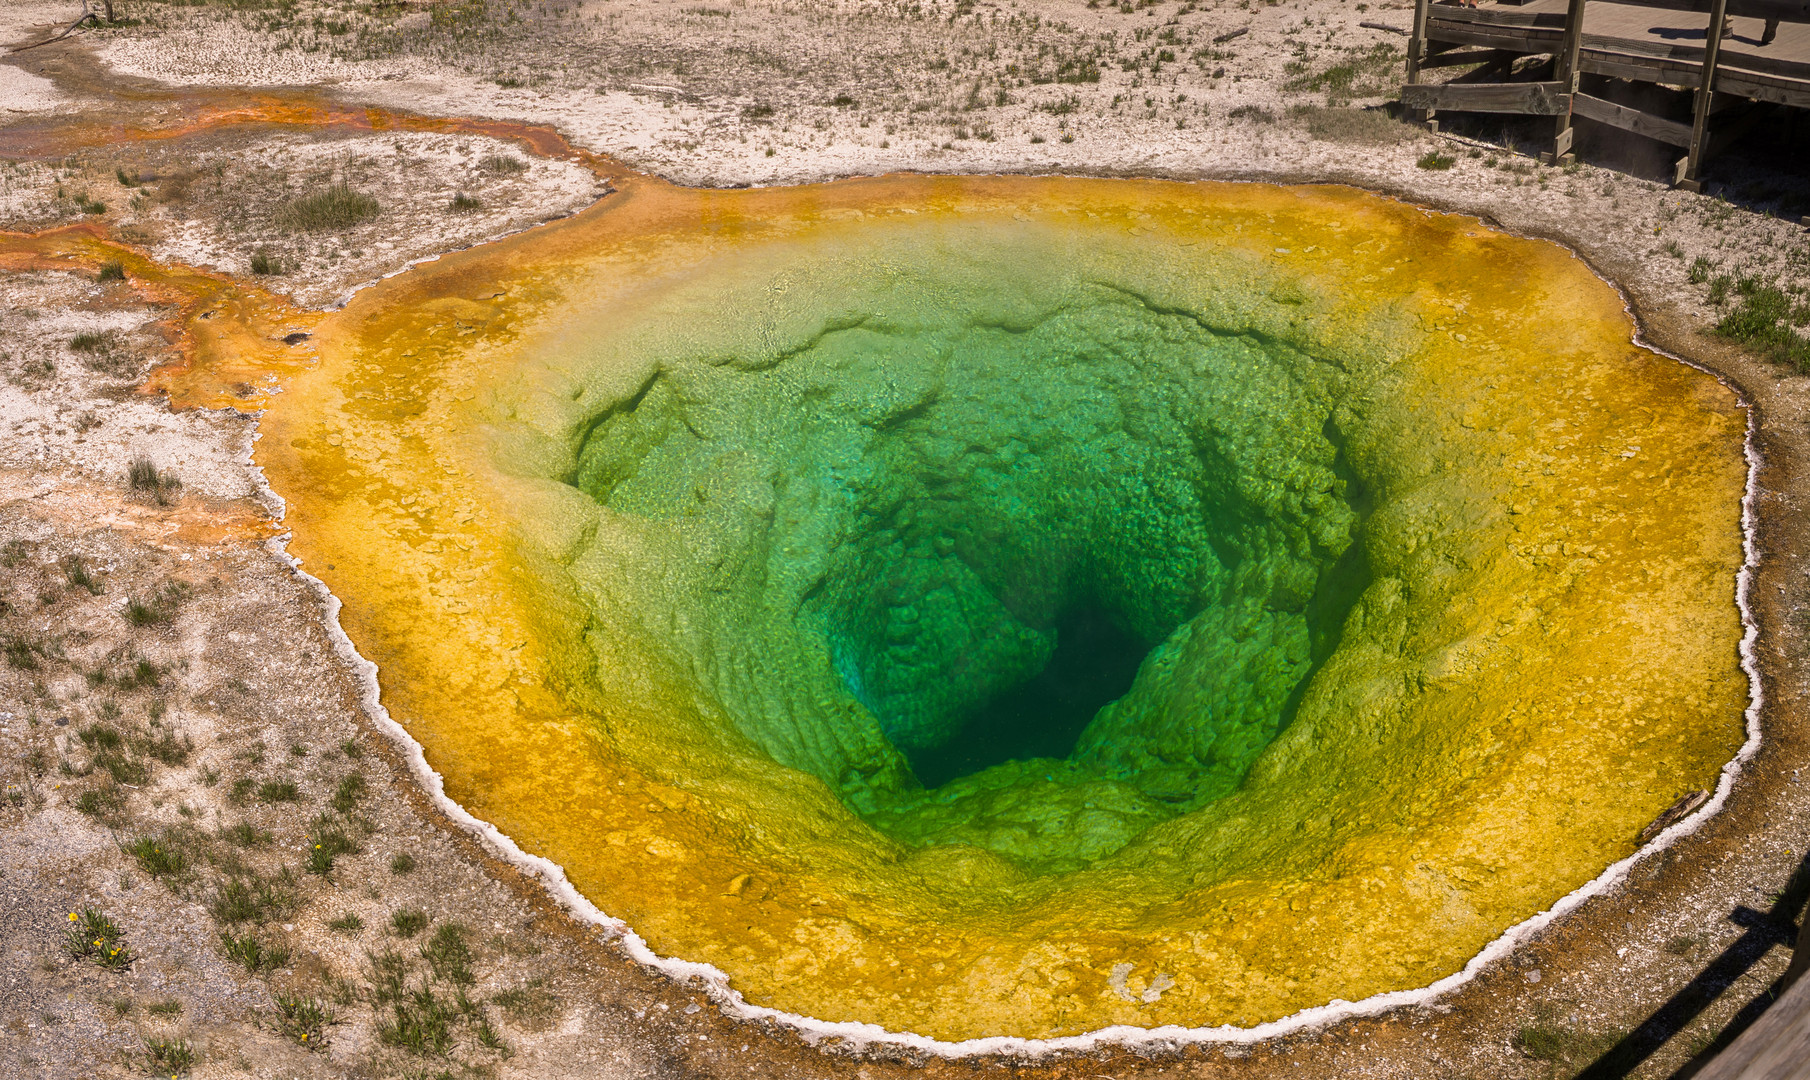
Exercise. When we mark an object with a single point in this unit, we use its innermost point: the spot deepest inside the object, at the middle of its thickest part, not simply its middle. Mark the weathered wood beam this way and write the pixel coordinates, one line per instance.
(1417, 41)
(1686, 174)
(1473, 56)
(1783, 10)
(1497, 17)
(1532, 98)
(1776, 1044)
(1417, 52)
(1565, 70)
(1620, 116)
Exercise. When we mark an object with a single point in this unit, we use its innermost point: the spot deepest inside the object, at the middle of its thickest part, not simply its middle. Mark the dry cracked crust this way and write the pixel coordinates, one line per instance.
(238, 727)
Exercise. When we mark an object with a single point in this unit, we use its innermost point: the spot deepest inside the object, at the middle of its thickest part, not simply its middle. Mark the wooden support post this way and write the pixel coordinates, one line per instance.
(1417, 51)
(1565, 70)
(1685, 175)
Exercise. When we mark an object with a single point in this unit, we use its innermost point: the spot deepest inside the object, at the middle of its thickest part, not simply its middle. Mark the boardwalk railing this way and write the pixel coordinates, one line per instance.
(1618, 40)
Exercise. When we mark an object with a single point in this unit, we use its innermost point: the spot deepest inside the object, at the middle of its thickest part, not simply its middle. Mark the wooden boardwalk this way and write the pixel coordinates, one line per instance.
(1664, 42)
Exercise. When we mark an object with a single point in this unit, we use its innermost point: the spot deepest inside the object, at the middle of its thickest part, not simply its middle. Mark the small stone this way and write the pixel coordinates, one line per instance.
(1532, 975)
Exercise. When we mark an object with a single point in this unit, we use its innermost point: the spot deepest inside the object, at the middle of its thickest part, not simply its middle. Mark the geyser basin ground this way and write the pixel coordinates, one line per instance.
(1284, 590)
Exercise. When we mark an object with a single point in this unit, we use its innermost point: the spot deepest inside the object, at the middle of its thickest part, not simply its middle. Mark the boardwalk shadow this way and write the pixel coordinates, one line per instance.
(1762, 930)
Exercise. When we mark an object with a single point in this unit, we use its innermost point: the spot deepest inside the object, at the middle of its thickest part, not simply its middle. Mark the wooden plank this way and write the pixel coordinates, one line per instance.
(1620, 116)
(1534, 98)
(1623, 67)
(1775, 1046)
(1491, 38)
(1417, 41)
(1469, 56)
(1718, 18)
(1783, 10)
(1498, 17)
(1762, 88)
(1565, 70)
(1770, 65)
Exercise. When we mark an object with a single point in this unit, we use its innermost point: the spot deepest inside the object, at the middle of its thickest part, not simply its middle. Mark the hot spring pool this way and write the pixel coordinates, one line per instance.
(1021, 606)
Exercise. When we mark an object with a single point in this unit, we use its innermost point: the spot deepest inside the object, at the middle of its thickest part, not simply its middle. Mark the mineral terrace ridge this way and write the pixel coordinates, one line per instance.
(223, 857)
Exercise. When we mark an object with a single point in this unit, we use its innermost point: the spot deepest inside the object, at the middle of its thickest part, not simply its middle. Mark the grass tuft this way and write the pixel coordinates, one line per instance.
(345, 797)
(420, 1021)
(407, 922)
(1436, 161)
(143, 476)
(279, 791)
(168, 1057)
(93, 936)
(326, 842)
(465, 204)
(113, 270)
(1256, 114)
(76, 571)
(304, 1019)
(503, 164)
(448, 954)
(250, 897)
(156, 856)
(337, 206)
(253, 955)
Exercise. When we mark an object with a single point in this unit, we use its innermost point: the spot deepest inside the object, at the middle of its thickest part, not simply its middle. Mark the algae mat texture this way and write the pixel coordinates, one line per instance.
(681, 532)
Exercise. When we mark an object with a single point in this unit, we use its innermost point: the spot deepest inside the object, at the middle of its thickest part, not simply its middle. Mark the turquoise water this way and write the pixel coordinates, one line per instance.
(1084, 536)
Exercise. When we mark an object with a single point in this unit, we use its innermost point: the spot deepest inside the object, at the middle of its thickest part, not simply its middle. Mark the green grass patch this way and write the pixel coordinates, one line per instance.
(1765, 320)
(244, 835)
(75, 571)
(304, 1019)
(253, 955)
(93, 936)
(1364, 72)
(168, 1056)
(337, 206)
(448, 955)
(346, 795)
(279, 791)
(327, 841)
(407, 922)
(252, 897)
(420, 1021)
(100, 803)
(158, 857)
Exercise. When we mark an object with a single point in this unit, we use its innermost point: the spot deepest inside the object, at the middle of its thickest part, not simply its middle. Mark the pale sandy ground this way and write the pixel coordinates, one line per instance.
(246, 677)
